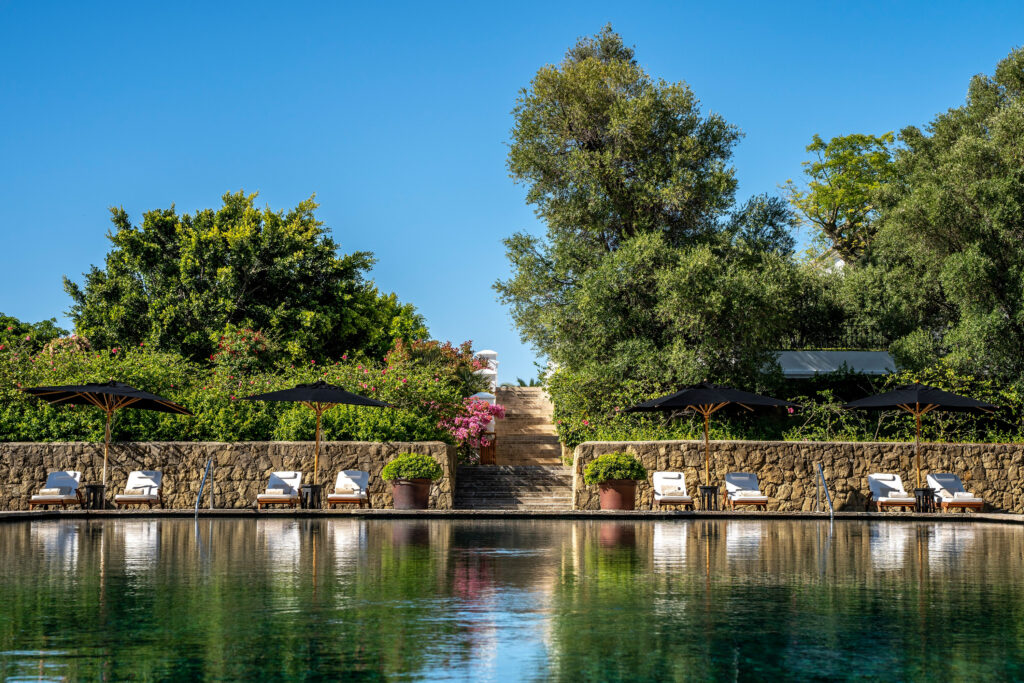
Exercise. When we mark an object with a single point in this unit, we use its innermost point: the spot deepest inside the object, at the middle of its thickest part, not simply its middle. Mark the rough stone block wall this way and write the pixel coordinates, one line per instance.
(239, 472)
(787, 469)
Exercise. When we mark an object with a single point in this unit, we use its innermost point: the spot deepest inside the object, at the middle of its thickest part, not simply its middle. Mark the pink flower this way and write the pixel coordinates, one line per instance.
(344, 356)
(404, 381)
(586, 423)
(790, 411)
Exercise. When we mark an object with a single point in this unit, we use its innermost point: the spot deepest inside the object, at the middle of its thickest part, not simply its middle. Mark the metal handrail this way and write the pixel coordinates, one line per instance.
(828, 496)
(199, 495)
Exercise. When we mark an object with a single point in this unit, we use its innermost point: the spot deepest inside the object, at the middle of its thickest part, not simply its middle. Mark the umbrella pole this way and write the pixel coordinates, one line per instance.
(316, 451)
(106, 445)
(917, 447)
(707, 452)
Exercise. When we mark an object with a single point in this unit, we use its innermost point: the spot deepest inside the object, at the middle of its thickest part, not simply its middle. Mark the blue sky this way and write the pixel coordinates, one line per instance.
(397, 115)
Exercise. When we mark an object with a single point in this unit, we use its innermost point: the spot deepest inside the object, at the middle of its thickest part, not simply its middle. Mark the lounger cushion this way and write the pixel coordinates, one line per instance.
(669, 490)
(344, 492)
(674, 499)
(62, 491)
(354, 496)
(136, 492)
(277, 496)
(896, 499)
(277, 492)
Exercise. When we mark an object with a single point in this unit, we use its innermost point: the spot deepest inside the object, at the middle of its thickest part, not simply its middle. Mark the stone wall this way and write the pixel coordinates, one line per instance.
(786, 469)
(240, 470)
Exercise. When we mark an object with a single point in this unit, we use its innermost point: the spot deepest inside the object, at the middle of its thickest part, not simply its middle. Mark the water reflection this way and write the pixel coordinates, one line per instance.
(492, 600)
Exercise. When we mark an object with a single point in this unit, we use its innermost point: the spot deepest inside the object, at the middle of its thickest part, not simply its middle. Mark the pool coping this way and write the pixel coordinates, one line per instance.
(637, 515)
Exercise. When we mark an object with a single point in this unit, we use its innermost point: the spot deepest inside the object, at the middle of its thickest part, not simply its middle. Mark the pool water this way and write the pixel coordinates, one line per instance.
(309, 599)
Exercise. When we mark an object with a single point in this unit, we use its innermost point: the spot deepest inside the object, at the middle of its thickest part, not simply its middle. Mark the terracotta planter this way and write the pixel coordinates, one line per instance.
(618, 494)
(411, 494)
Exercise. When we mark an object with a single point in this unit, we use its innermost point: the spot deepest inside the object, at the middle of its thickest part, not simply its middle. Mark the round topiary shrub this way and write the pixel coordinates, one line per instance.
(412, 466)
(612, 466)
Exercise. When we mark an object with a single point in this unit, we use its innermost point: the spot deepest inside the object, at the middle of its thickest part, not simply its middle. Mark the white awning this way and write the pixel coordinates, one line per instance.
(802, 364)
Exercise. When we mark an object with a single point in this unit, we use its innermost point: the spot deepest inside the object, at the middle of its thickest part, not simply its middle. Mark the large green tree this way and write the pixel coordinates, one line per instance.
(179, 281)
(952, 233)
(609, 156)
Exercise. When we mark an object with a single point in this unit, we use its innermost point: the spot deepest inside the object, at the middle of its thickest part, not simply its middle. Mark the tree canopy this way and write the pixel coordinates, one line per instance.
(843, 184)
(623, 169)
(179, 282)
(951, 236)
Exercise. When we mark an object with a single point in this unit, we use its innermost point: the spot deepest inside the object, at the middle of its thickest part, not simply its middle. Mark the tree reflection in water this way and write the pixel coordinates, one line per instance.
(289, 598)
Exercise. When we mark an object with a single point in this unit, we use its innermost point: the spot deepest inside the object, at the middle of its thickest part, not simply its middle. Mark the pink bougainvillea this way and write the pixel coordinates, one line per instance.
(470, 426)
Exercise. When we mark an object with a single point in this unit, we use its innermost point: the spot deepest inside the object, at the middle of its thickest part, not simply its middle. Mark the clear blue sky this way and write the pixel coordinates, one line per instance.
(397, 115)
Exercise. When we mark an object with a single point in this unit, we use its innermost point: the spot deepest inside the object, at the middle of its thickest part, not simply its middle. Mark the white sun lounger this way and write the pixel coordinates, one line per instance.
(61, 488)
(950, 493)
(143, 488)
(282, 489)
(887, 491)
(350, 487)
(670, 489)
(742, 488)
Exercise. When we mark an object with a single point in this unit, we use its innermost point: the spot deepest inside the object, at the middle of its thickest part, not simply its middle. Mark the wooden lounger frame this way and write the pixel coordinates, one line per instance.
(683, 505)
(63, 503)
(290, 502)
(731, 503)
(890, 504)
(965, 506)
(125, 503)
(348, 501)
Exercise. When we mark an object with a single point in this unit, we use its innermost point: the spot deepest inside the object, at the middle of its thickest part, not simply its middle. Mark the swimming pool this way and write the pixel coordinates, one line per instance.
(379, 599)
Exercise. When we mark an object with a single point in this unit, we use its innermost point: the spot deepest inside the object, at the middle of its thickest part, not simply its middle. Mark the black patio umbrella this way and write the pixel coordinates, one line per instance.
(918, 399)
(108, 397)
(706, 399)
(318, 397)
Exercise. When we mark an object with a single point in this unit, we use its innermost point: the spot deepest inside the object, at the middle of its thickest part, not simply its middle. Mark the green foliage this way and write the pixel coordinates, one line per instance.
(30, 336)
(424, 392)
(950, 238)
(644, 280)
(180, 282)
(608, 155)
(843, 184)
(612, 466)
(412, 466)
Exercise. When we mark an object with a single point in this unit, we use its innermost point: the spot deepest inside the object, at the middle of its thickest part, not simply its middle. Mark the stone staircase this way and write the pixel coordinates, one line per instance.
(505, 487)
(526, 436)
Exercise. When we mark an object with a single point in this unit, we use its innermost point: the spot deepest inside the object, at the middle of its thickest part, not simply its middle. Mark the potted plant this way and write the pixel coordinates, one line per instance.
(616, 474)
(410, 475)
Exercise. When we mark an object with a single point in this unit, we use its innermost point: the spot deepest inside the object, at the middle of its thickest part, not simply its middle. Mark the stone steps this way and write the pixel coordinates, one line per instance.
(513, 487)
(526, 436)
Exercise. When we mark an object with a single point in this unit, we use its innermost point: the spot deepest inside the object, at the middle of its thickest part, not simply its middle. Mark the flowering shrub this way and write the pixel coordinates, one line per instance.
(243, 350)
(469, 428)
(72, 344)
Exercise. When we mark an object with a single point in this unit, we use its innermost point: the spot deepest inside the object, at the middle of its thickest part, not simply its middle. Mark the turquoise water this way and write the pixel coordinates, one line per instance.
(287, 599)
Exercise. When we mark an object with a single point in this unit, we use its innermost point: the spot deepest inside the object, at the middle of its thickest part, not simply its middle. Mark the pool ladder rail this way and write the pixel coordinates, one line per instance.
(822, 484)
(202, 484)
